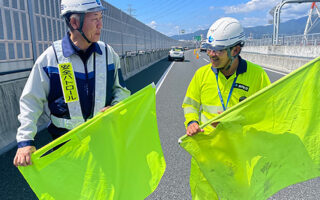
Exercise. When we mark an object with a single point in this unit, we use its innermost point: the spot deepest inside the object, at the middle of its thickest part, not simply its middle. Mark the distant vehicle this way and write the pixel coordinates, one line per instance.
(176, 53)
(186, 48)
(203, 47)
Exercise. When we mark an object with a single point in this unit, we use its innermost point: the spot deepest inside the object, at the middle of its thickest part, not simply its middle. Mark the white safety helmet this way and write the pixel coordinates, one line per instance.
(80, 6)
(226, 32)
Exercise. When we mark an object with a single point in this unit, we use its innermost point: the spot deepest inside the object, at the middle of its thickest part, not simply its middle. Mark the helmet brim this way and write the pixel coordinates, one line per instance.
(222, 47)
(96, 9)
(215, 48)
(101, 8)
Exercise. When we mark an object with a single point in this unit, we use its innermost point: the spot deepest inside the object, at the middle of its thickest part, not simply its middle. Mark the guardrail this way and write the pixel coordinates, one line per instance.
(287, 40)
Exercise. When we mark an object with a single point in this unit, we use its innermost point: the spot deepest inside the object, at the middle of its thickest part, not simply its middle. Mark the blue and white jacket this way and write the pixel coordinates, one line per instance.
(98, 85)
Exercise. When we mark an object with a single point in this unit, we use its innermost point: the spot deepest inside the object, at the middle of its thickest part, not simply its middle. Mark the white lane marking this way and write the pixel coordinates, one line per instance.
(164, 77)
(267, 69)
(205, 60)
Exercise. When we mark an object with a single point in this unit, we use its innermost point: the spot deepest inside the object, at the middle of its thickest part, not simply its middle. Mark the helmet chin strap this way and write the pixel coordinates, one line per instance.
(232, 58)
(80, 28)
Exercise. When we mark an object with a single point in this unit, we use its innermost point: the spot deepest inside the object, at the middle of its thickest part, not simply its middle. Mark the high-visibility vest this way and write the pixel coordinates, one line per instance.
(76, 117)
(202, 97)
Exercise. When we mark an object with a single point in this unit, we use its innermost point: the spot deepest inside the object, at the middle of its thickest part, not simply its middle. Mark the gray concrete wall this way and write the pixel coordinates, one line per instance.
(14, 66)
(10, 93)
(131, 65)
(283, 58)
(292, 51)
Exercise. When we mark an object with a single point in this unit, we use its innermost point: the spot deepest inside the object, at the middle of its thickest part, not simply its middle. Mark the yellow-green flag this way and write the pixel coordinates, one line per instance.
(116, 155)
(265, 143)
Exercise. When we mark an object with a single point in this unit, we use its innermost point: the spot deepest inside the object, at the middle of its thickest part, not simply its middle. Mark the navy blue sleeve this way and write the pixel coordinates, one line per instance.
(191, 122)
(26, 143)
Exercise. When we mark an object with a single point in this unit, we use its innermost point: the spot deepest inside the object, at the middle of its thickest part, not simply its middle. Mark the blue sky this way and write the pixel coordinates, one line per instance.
(170, 16)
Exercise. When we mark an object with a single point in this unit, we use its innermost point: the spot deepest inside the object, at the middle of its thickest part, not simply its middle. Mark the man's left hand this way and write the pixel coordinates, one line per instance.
(215, 124)
(105, 108)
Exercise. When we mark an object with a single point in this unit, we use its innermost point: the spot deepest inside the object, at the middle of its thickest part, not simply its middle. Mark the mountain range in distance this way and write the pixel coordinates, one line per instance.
(290, 27)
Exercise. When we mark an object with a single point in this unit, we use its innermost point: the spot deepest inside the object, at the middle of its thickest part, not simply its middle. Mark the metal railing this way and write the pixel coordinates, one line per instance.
(286, 40)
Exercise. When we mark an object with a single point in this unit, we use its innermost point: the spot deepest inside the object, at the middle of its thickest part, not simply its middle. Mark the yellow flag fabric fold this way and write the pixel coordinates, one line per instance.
(115, 155)
(265, 143)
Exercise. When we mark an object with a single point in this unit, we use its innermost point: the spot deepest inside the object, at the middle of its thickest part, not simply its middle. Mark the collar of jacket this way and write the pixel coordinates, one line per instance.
(68, 48)
(242, 67)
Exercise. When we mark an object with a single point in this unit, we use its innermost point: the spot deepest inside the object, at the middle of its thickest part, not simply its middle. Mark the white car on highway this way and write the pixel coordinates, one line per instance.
(203, 47)
(176, 53)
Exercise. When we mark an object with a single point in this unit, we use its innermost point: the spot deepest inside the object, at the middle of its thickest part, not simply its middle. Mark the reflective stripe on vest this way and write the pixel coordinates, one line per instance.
(100, 90)
(190, 109)
(212, 109)
(101, 80)
(110, 76)
(190, 101)
(203, 118)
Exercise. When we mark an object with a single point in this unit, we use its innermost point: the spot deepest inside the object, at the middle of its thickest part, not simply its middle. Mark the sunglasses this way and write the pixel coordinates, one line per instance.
(216, 52)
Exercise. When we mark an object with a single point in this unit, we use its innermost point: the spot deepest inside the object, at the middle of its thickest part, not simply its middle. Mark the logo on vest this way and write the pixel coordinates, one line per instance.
(242, 87)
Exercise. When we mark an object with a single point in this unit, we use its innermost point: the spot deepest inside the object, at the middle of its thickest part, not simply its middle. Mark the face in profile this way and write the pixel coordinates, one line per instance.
(92, 25)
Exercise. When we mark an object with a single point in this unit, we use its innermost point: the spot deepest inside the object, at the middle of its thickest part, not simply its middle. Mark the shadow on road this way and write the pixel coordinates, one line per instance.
(147, 76)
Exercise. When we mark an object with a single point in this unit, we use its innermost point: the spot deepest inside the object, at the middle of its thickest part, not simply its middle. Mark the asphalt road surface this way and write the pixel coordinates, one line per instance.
(172, 79)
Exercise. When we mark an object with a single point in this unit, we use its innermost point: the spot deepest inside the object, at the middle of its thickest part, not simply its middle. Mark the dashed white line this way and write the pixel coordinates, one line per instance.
(164, 77)
(267, 69)
(206, 60)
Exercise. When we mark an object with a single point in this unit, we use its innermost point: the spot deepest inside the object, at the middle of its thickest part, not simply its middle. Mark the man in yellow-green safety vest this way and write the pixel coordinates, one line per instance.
(215, 87)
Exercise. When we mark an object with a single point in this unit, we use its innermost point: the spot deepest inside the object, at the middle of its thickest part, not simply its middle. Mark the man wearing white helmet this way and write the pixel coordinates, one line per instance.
(215, 87)
(77, 77)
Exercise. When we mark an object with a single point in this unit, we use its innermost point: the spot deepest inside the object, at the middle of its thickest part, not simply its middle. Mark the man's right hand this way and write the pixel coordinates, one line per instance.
(23, 156)
(193, 129)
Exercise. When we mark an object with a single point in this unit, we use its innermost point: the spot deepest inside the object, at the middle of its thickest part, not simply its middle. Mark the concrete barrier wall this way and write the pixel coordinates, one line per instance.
(131, 65)
(291, 51)
(10, 93)
(283, 58)
(281, 63)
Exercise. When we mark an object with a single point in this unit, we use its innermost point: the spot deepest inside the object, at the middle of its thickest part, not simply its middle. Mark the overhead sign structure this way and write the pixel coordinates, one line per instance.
(197, 38)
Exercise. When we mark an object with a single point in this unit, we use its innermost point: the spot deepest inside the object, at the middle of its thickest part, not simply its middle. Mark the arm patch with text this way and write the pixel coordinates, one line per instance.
(68, 82)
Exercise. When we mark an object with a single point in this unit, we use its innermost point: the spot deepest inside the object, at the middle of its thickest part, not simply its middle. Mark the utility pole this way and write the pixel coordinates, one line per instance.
(312, 22)
(276, 17)
(131, 11)
(182, 31)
